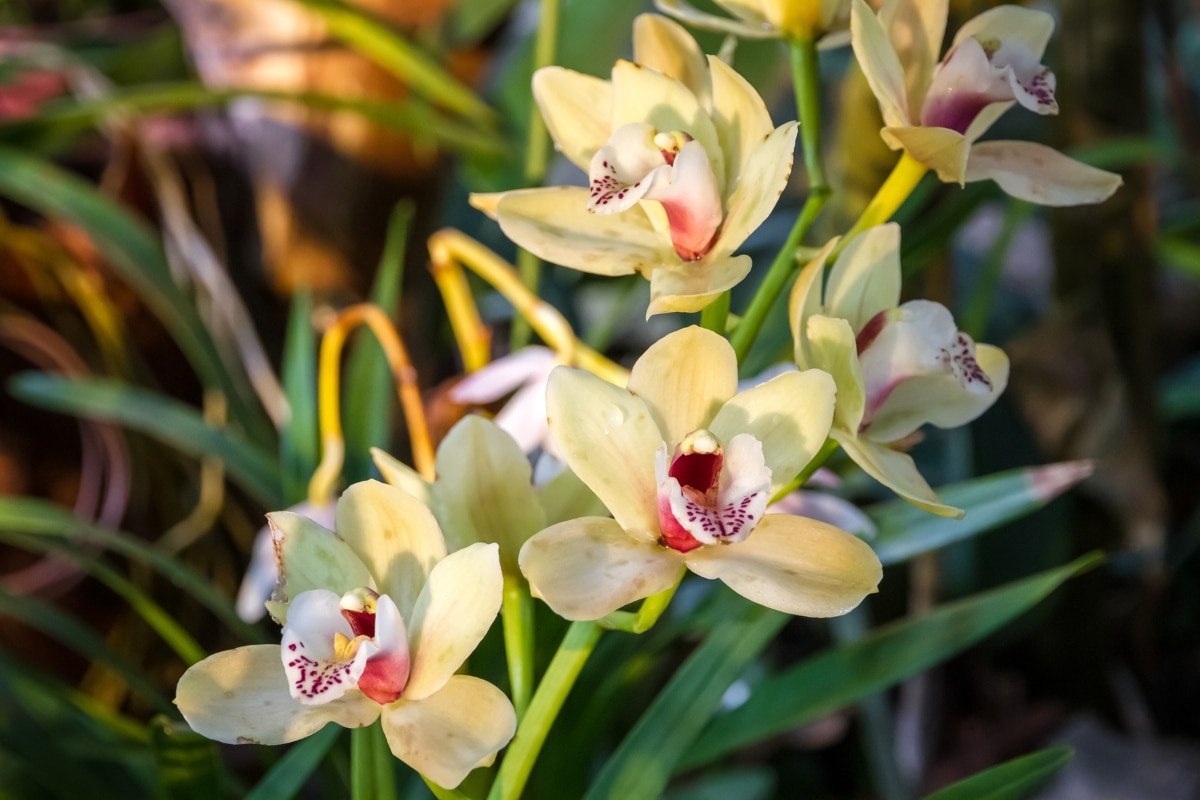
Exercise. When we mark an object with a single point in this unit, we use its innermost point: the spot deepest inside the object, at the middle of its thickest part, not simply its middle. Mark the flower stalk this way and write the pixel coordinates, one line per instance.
(806, 79)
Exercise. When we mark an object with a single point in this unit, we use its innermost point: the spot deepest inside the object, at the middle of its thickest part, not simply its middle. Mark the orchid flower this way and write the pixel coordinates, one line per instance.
(484, 490)
(936, 112)
(683, 164)
(896, 366)
(687, 467)
(262, 574)
(377, 619)
(765, 19)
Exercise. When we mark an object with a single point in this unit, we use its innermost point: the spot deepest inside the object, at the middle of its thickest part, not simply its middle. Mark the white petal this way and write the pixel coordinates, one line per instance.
(895, 470)
(317, 672)
(608, 437)
(1010, 23)
(448, 734)
(242, 697)
(866, 277)
(794, 565)
(962, 86)
(790, 414)
(624, 169)
(641, 94)
(588, 567)
(456, 608)
(684, 378)
(1039, 174)
(555, 225)
(880, 64)
(395, 535)
(828, 508)
(504, 375)
(386, 673)
(577, 109)
(312, 557)
(762, 181)
(689, 195)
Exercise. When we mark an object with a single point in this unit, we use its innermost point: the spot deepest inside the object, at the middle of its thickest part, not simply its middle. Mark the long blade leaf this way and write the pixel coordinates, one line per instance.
(1011, 780)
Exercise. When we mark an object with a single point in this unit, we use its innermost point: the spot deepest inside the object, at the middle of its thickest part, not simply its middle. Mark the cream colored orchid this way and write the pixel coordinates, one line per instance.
(377, 619)
(683, 164)
(936, 111)
(687, 467)
(897, 366)
(765, 19)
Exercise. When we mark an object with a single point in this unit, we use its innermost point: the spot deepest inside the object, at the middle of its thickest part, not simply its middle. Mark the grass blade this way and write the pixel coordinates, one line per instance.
(1011, 780)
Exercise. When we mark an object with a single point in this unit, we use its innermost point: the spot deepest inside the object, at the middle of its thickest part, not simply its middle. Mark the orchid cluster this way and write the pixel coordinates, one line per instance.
(672, 467)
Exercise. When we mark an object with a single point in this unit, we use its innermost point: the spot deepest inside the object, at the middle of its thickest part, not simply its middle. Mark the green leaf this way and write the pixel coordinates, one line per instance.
(162, 623)
(1011, 780)
(60, 120)
(72, 633)
(27, 516)
(417, 70)
(1179, 392)
(288, 775)
(905, 531)
(843, 675)
(189, 767)
(368, 394)
(161, 418)
(646, 758)
(129, 247)
(299, 449)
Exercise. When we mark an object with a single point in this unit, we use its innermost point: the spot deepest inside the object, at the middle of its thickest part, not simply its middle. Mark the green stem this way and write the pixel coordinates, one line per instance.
(806, 78)
(715, 315)
(818, 461)
(371, 775)
(560, 676)
(651, 609)
(517, 615)
(537, 148)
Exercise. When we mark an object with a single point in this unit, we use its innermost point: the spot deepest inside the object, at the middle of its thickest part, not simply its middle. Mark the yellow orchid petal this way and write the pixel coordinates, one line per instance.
(895, 470)
(763, 179)
(577, 109)
(740, 116)
(1040, 174)
(691, 287)
(448, 734)
(313, 557)
(880, 64)
(242, 696)
(940, 149)
(555, 225)
(805, 301)
(589, 567)
(789, 414)
(453, 612)
(794, 565)
(831, 344)
(400, 475)
(484, 490)
(608, 437)
(395, 535)
(866, 278)
(684, 378)
(916, 30)
(664, 45)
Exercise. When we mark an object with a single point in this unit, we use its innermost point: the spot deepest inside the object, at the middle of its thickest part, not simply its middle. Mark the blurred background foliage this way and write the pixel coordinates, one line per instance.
(188, 185)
